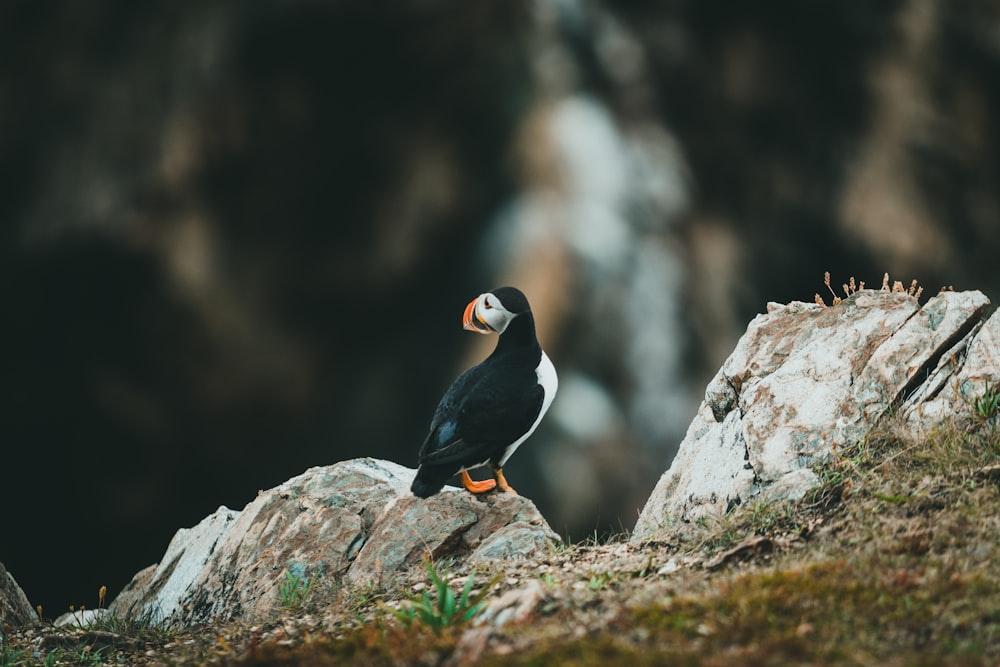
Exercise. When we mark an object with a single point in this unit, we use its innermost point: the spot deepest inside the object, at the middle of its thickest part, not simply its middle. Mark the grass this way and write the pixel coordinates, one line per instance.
(84, 656)
(987, 405)
(109, 639)
(900, 568)
(443, 609)
(824, 613)
(11, 658)
(892, 559)
(296, 588)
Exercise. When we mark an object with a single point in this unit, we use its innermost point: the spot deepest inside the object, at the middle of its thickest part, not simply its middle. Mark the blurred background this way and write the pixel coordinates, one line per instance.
(237, 238)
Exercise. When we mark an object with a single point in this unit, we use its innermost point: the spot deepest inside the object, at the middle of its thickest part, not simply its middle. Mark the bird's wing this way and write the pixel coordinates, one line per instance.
(479, 422)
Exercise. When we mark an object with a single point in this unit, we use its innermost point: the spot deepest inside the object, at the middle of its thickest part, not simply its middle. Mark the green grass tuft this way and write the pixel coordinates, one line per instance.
(296, 588)
(444, 609)
(11, 658)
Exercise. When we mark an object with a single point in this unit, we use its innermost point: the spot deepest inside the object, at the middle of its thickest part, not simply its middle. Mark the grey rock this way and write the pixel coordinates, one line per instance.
(481, 528)
(513, 607)
(805, 380)
(81, 618)
(15, 610)
(959, 378)
(351, 524)
(515, 540)
(156, 592)
(791, 486)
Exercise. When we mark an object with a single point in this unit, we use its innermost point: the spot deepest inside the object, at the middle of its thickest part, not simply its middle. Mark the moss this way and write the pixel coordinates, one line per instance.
(837, 610)
(829, 613)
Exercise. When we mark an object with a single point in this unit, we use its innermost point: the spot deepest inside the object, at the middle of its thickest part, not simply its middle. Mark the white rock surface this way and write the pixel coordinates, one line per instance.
(805, 380)
(81, 618)
(187, 555)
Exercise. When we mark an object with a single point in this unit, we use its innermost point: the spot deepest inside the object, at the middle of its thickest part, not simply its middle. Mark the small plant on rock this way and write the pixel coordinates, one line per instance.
(988, 404)
(295, 590)
(146, 627)
(444, 610)
(599, 580)
(852, 287)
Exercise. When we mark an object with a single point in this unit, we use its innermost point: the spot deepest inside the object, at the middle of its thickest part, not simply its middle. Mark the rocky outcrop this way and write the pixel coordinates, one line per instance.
(351, 524)
(15, 610)
(806, 379)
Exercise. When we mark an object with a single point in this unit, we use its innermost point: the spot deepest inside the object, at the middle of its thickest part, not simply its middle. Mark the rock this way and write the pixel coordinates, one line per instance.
(515, 606)
(354, 523)
(496, 526)
(15, 610)
(187, 556)
(81, 618)
(959, 378)
(805, 380)
(513, 541)
(792, 486)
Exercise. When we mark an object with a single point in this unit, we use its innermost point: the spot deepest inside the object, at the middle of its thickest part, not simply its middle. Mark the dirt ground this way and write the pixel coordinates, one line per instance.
(894, 560)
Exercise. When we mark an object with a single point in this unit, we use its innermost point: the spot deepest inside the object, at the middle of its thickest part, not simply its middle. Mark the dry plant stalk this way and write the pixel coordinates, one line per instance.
(826, 281)
(853, 286)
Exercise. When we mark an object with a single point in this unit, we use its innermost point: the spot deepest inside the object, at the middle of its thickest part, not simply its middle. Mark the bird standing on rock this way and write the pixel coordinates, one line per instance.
(493, 407)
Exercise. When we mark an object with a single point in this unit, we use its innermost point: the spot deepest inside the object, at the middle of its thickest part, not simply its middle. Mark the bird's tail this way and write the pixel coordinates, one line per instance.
(429, 480)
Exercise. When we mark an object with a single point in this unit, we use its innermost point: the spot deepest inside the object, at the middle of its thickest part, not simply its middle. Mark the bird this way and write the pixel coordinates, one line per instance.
(491, 408)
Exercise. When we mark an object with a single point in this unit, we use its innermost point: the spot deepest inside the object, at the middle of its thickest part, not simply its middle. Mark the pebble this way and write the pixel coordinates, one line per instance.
(670, 567)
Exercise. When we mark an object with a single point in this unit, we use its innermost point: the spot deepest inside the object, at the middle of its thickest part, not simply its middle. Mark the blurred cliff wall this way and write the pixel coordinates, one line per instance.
(236, 238)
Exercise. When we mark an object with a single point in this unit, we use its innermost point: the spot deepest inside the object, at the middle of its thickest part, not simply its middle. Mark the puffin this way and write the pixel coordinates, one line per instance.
(492, 408)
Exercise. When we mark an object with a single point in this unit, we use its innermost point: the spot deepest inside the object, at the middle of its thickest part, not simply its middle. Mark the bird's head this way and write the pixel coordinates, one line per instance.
(492, 311)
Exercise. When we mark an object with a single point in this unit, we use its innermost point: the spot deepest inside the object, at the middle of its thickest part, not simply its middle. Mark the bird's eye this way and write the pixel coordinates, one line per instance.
(487, 304)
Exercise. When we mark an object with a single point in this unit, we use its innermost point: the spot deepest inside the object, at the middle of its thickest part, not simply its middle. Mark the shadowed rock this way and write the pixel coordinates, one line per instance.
(15, 610)
(354, 523)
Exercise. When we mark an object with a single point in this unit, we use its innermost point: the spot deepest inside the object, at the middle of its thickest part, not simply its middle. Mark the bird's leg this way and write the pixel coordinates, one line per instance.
(502, 481)
(477, 487)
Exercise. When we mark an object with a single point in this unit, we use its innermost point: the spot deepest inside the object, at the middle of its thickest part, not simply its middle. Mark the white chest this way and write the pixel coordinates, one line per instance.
(547, 377)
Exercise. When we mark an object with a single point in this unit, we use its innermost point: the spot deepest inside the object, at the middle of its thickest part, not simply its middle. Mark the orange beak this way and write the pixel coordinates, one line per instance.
(467, 322)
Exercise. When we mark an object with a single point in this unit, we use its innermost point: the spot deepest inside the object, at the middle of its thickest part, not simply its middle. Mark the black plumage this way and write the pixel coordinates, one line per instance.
(493, 406)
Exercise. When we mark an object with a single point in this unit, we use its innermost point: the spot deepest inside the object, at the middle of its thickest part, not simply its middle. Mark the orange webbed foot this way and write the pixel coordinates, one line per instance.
(477, 487)
(502, 481)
